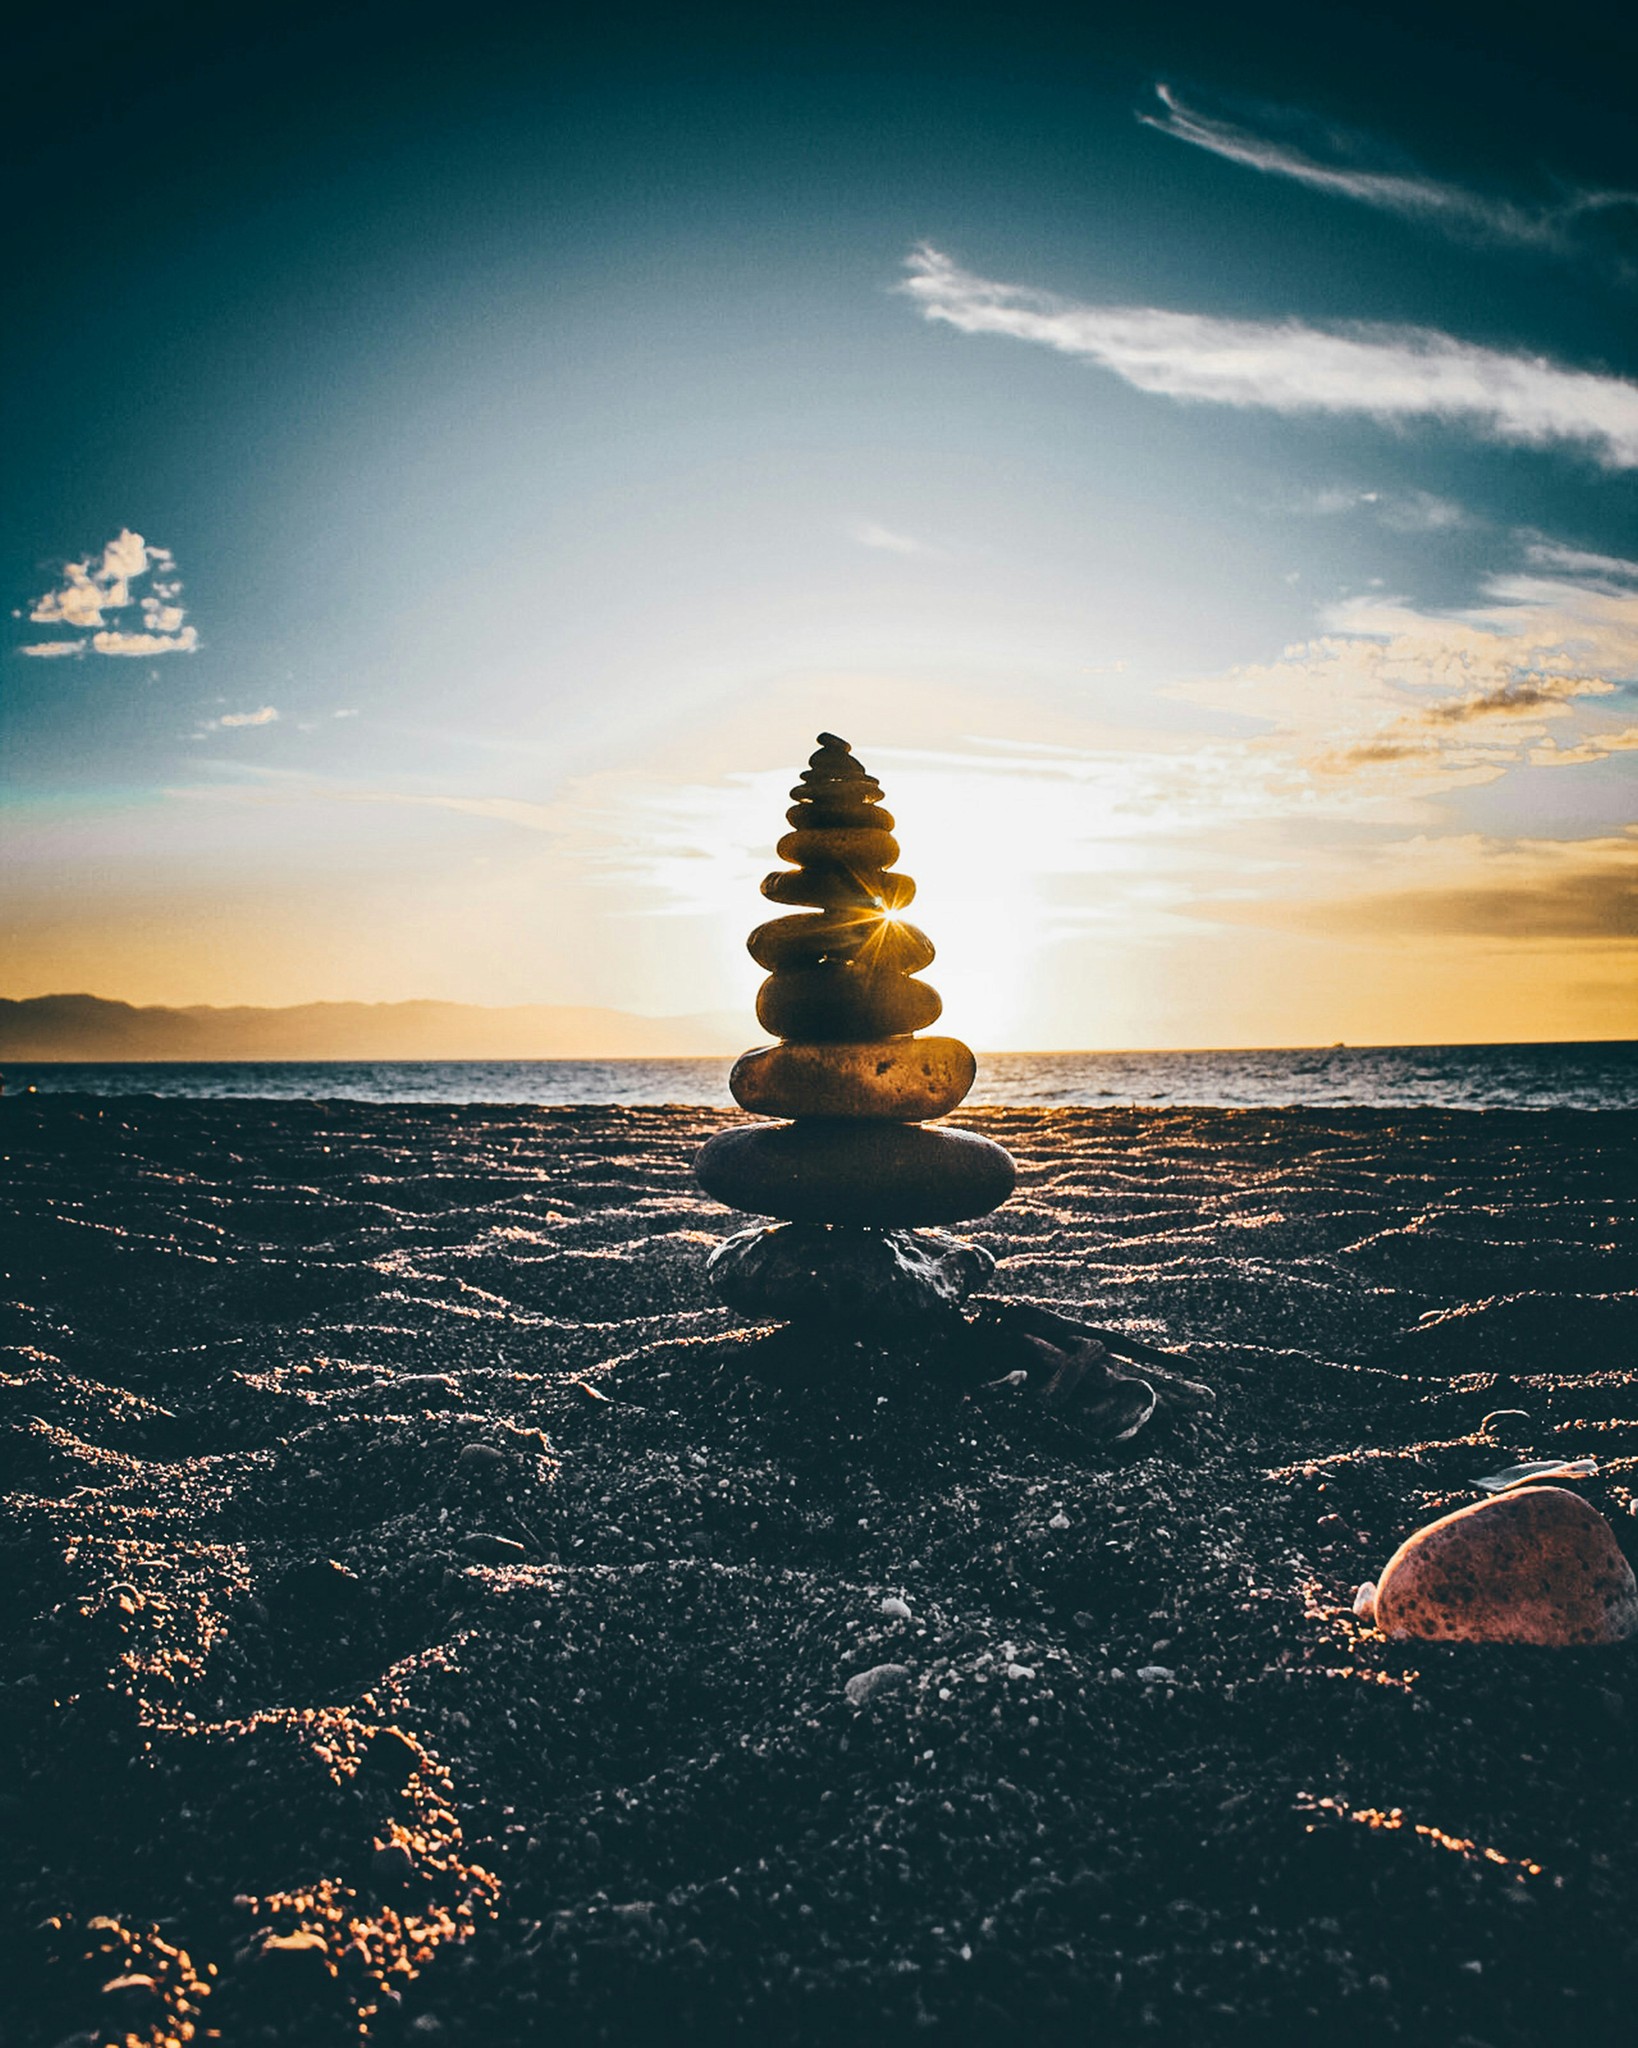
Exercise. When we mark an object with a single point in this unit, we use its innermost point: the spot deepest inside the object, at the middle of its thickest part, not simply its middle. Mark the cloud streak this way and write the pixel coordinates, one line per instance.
(267, 715)
(1387, 373)
(1451, 208)
(888, 542)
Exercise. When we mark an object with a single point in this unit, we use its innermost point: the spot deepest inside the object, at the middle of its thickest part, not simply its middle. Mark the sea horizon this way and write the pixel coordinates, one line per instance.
(1589, 1074)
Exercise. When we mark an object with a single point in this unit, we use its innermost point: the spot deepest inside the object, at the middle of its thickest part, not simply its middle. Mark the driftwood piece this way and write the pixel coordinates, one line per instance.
(1087, 1375)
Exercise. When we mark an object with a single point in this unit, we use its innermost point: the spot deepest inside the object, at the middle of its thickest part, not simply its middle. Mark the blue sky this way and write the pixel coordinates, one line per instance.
(459, 463)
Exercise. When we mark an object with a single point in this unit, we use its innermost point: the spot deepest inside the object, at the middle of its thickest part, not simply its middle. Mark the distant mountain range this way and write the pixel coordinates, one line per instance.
(92, 1028)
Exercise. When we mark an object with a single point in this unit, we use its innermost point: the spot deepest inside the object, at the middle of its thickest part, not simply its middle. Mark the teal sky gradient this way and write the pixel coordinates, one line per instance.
(547, 446)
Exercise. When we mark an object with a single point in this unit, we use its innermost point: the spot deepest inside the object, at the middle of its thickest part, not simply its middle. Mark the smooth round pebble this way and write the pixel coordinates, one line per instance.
(834, 1170)
(864, 1685)
(1537, 1565)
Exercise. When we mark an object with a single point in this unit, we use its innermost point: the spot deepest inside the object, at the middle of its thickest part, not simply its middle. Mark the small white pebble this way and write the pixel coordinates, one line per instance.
(1154, 1674)
(1020, 1670)
(1059, 1521)
(864, 1685)
(1365, 1600)
(896, 1609)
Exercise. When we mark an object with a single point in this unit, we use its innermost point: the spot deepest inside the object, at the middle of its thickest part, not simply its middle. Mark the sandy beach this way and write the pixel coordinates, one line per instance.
(427, 1614)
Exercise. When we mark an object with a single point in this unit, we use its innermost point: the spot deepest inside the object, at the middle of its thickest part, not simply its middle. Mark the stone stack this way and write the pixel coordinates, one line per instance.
(853, 1171)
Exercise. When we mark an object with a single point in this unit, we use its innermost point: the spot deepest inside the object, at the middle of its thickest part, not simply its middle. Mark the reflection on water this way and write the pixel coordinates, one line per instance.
(1595, 1076)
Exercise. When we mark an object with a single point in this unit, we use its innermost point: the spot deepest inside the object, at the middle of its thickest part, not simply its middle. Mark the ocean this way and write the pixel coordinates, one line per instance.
(1601, 1075)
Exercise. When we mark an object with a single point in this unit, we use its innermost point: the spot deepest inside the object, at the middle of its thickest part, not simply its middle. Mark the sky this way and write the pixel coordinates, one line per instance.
(458, 459)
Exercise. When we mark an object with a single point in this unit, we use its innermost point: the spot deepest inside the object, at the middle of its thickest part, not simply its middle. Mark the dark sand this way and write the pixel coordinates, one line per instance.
(249, 1343)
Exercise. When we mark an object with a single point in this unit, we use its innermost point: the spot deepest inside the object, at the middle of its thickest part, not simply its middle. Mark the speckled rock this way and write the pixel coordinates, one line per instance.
(1538, 1565)
(818, 1272)
(897, 1080)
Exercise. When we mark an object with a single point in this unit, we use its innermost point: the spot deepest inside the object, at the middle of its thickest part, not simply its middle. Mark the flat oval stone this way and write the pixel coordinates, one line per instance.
(846, 846)
(1537, 1565)
(903, 1080)
(818, 812)
(838, 888)
(843, 1000)
(831, 1170)
(853, 789)
(887, 943)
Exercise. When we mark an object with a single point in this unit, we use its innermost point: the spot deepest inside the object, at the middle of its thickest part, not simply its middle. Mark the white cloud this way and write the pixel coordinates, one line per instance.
(870, 535)
(1402, 511)
(268, 715)
(1436, 202)
(147, 643)
(91, 589)
(1595, 747)
(1386, 373)
(1548, 554)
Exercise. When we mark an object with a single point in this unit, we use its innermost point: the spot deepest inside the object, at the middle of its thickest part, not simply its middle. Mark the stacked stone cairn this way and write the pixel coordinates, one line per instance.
(854, 1173)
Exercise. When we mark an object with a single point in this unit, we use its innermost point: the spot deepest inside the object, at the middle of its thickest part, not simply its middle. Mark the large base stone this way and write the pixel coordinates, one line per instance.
(841, 1170)
(818, 1273)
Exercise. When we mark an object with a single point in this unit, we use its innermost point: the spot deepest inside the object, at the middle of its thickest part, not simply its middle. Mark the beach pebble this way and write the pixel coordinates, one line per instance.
(896, 1609)
(481, 1458)
(814, 1272)
(392, 1863)
(297, 1965)
(1156, 1674)
(864, 1685)
(1536, 1565)
(133, 1993)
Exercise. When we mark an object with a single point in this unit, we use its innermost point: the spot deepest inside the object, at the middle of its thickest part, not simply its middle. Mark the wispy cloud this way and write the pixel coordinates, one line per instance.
(87, 591)
(1518, 892)
(1452, 208)
(1386, 373)
(1548, 554)
(267, 715)
(1400, 511)
(870, 535)
(263, 788)
(1393, 703)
